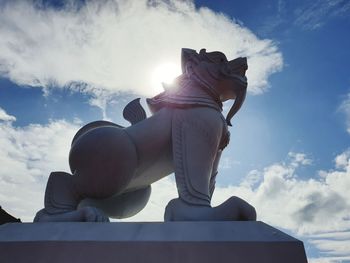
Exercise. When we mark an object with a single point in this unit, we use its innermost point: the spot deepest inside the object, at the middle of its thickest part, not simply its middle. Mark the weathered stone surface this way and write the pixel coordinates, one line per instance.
(243, 242)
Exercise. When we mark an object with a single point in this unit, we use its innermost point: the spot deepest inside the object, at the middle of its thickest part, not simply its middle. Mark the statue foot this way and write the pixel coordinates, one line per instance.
(84, 214)
(233, 209)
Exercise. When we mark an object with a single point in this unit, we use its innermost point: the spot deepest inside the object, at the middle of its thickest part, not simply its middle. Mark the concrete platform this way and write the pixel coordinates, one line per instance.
(185, 242)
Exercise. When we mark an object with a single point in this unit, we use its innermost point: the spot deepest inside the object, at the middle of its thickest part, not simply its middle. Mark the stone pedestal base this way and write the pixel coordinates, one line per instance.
(170, 242)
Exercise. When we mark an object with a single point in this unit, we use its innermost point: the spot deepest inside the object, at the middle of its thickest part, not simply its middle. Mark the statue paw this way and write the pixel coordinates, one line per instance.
(92, 214)
(233, 209)
(238, 209)
(85, 214)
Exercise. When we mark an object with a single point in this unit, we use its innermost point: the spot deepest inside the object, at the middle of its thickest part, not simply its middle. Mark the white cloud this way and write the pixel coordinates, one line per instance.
(303, 206)
(27, 156)
(116, 45)
(6, 117)
(314, 14)
(162, 192)
(299, 159)
(284, 200)
(341, 161)
(345, 108)
(335, 245)
(227, 162)
(315, 209)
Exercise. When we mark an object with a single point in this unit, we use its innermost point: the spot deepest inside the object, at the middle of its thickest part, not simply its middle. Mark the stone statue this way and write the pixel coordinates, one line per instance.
(113, 167)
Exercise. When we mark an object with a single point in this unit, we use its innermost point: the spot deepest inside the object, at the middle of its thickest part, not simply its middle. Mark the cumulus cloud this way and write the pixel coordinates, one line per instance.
(285, 200)
(299, 159)
(27, 156)
(317, 209)
(341, 161)
(6, 117)
(305, 206)
(116, 45)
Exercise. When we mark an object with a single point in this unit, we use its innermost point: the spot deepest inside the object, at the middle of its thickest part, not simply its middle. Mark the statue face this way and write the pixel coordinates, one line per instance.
(227, 78)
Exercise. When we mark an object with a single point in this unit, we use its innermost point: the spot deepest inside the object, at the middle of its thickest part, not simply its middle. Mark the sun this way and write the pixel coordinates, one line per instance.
(164, 73)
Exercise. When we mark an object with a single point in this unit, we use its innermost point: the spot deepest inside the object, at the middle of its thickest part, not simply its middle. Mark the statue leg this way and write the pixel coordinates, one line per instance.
(197, 135)
(120, 205)
(61, 200)
(103, 162)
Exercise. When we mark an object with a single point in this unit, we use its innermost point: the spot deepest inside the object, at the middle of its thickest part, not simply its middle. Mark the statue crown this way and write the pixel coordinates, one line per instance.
(233, 67)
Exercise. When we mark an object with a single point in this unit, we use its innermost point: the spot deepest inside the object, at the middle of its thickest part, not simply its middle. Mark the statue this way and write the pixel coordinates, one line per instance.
(113, 167)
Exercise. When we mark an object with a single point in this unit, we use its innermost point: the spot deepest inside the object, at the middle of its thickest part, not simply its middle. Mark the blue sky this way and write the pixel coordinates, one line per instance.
(63, 64)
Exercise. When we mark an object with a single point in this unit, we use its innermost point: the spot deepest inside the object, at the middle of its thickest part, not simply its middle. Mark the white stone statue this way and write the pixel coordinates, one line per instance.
(113, 167)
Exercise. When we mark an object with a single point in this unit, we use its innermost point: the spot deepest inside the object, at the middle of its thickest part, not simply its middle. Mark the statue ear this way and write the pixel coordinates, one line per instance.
(240, 97)
(188, 55)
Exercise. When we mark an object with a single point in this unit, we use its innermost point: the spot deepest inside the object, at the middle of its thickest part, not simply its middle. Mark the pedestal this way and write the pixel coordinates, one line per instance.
(153, 242)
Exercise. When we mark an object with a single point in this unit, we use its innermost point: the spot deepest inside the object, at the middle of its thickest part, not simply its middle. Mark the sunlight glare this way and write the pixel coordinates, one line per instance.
(164, 73)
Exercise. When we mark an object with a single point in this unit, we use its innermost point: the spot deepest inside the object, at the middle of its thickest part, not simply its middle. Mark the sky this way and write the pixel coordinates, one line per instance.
(66, 63)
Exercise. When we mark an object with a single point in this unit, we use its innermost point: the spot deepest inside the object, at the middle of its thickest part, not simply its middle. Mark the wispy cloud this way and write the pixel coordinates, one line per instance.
(314, 14)
(345, 108)
(275, 20)
(116, 45)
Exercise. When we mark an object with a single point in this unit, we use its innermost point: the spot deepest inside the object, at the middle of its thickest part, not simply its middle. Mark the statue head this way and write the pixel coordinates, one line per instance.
(222, 78)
